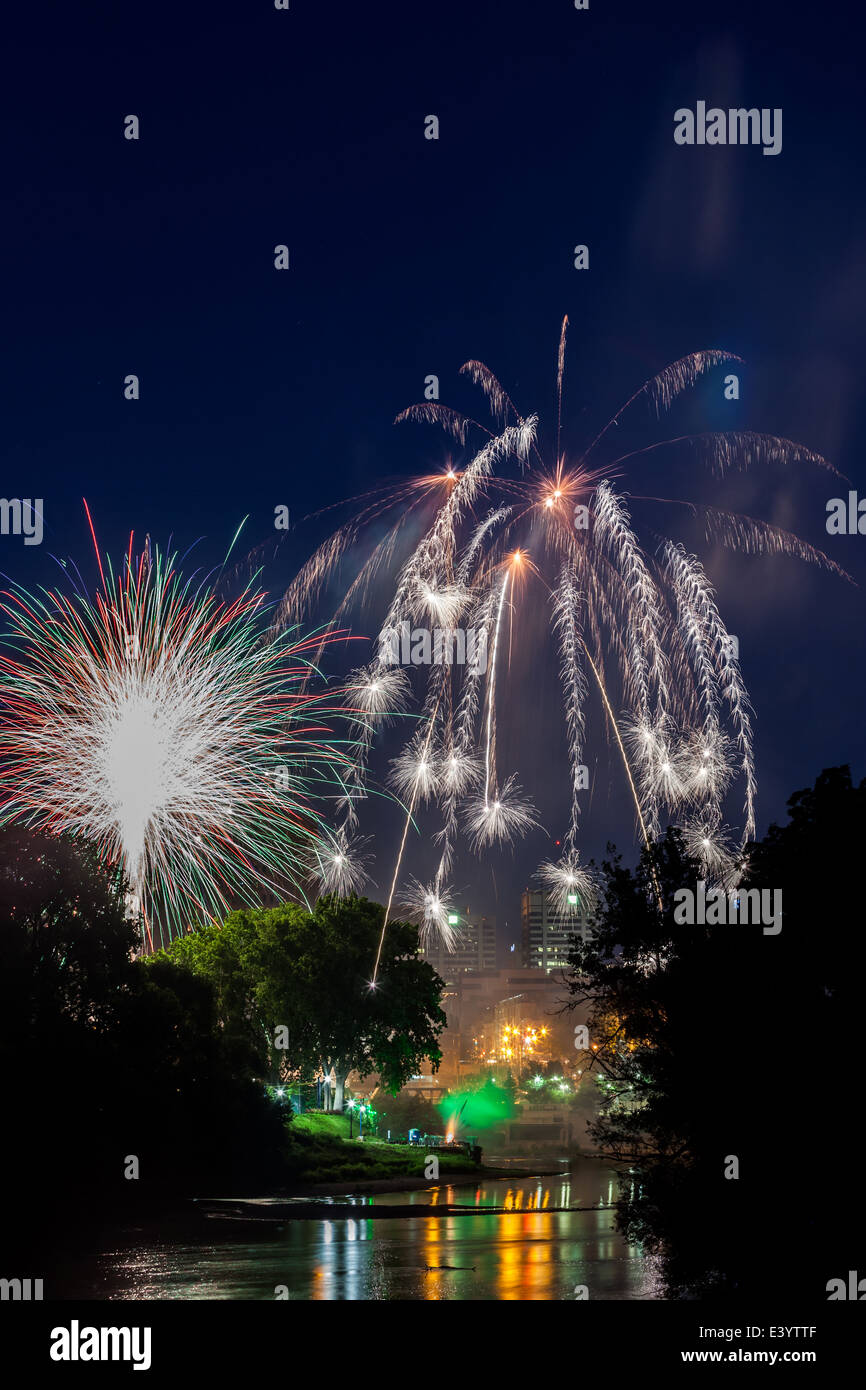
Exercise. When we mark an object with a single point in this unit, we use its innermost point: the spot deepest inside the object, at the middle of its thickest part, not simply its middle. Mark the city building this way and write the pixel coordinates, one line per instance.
(474, 948)
(482, 1005)
(502, 1019)
(547, 932)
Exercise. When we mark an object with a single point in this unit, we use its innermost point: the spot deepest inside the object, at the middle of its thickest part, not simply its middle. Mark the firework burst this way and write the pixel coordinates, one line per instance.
(500, 818)
(341, 863)
(431, 908)
(572, 886)
(712, 844)
(171, 728)
(378, 692)
(637, 629)
(415, 773)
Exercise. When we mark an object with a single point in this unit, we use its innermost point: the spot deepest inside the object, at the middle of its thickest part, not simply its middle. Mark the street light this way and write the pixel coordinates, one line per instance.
(362, 1109)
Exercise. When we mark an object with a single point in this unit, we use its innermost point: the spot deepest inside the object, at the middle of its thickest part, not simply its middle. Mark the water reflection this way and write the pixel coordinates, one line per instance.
(531, 1251)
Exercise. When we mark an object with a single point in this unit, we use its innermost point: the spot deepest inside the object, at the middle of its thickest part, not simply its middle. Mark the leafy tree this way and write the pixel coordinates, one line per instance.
(389, 1029)
(251, 963)
(66, 964)
(309, 972)
(67, 945)
(713, 1043)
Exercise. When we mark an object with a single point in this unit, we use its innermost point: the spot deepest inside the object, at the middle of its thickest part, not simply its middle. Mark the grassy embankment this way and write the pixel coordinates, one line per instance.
(320, 1151)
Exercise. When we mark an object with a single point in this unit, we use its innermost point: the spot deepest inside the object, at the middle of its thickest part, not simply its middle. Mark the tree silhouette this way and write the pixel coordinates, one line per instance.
(722, 1043)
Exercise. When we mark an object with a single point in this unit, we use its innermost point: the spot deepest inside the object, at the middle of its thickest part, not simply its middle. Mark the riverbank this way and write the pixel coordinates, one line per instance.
(321, 1151)
(333, 1201)
(454, 1178)
(281, 1213)
(325, 1158)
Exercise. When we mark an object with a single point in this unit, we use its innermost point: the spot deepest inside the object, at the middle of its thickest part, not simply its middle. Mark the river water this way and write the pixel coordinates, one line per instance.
(530, 1252)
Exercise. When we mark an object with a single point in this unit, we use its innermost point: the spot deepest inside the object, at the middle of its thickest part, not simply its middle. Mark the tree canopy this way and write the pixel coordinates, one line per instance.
(721, 1043)
(296, 985)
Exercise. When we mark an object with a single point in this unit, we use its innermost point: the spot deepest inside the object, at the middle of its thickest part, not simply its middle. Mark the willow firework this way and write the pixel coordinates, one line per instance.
(636, 629)
(178, 732)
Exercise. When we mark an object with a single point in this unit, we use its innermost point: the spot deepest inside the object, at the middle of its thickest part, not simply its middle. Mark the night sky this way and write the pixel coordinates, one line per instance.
(408, 256)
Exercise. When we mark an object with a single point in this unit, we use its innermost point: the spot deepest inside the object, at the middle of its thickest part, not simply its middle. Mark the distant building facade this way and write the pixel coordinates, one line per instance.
(502, 1019)
(484, 1004)
(546, 932)
(474, 948)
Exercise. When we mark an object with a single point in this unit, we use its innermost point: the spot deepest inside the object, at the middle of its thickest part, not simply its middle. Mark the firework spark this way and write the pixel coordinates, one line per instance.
(706, 765)
(712, 844)
(637, 627)
(379, 692)
(168, 726)
(572, 886)
(459, 773)
(501, 818)
(415, 773)
(432, 907)
(341, 863)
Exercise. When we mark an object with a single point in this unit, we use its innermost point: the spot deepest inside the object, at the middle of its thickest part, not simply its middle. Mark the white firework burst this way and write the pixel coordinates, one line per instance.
(431, 906)
(442, 603)
(500, 818)
(572, 886)
(639, 632)
(706, 765)
(459, 773)
(415, 773)
(711, 843)
(341, 864)
(378, 691)
(657, 755)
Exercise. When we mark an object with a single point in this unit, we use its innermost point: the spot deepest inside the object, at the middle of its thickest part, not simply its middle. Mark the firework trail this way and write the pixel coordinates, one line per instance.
(491, 693)
(173, 729)
(567, 603)
(636, 628)
(500, 815)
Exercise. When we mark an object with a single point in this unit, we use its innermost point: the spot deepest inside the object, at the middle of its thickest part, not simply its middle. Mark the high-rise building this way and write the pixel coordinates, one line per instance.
(474, 948)
(547, 933)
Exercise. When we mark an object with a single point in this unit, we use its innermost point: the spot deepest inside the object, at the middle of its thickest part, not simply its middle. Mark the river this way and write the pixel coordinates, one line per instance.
(528, 1253)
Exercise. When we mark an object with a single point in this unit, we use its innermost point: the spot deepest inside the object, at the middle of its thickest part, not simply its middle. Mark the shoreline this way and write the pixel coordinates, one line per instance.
(318, 1201)
(366, 1186)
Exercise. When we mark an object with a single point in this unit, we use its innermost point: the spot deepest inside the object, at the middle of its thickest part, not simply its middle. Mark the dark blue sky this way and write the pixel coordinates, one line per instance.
(409, 256)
